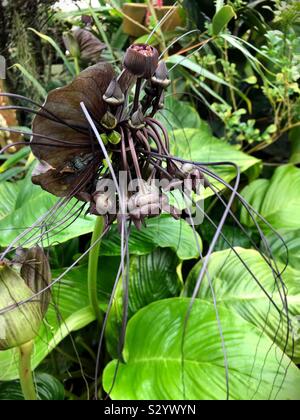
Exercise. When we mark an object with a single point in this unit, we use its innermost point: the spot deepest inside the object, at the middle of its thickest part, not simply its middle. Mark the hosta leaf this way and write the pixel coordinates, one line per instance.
(8, 196)
(48, 389)
(163, 231)
(151, 277)
(237, 289)
(70, 311)
(234, 236)
(290, 251)
(156, 368)
(277, 199)
(201, 146)
(178, 115)
(23, 204)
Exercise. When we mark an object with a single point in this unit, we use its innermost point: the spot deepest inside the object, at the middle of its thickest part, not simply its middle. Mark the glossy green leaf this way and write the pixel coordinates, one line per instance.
(151, 277)
(48, 389)
(201, 146)
(163, 231)
(156, 368)
(69, 311)
(8, 197)
(222, 18)
(26, 203)
(233, 234)
(277, 199)
(238, 290)
(289, 251)
(179, 115)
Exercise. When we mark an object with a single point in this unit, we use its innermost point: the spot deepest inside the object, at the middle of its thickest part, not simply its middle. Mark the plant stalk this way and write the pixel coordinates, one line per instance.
(76, 65)
(93, 268)
(25, 372)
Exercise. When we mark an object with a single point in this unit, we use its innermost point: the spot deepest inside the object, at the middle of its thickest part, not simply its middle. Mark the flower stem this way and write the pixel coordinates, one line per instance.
(77, 67)
(93, 268)
(25, 372)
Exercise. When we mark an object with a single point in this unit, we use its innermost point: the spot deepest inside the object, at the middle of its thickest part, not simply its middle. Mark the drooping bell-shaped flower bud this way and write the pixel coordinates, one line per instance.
(141, 60)
(87, 21)
(114, 95)
(137, 120)
(161, 76)
(109, 121)
(20, 324)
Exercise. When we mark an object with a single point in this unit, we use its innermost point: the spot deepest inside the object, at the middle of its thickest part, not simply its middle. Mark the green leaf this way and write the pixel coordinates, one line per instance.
(277, 199)
(163, 232)
(69, 311)
(294, 138)
(233, 235)
(222, 18)
(51, 41)
(10, 174)
(202, 72)
(151, 277)
(14, 159)
(48, 389)
(179, 115)
(8, 197)
(201, 146)
(155, 368)
(35, 83)
(292, 242)
(237, 289)
(26, 204)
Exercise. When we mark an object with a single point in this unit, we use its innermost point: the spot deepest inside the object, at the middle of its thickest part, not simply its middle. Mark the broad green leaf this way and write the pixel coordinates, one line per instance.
(163, 232)
(151, 277)
(48, 389)
(289, 252)
(294, 138)
(233, 234)
(156, 368)
(277, 199)
(179, 115)
(69, 311)
(201, 146)
(26, 203)
(238, 290)
(8, 197)
(222, 18)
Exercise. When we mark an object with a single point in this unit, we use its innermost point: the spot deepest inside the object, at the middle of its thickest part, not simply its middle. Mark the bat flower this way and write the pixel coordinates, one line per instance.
(93, 128)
